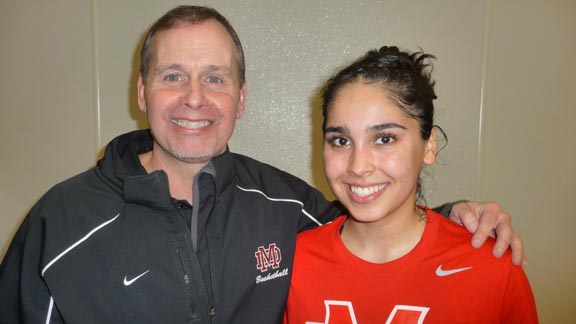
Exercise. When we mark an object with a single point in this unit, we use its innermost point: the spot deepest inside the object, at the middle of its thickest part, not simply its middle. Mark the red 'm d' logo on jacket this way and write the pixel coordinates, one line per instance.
(268, 257)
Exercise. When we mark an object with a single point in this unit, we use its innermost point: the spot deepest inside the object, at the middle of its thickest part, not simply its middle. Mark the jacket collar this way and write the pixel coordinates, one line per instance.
(122, 169)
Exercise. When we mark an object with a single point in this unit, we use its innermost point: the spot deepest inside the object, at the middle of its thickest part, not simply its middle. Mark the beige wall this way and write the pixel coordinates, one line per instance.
(67, 88)
(528, 153)
(47, 101)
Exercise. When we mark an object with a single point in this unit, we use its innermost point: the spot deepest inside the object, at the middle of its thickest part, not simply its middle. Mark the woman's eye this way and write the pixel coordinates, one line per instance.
(339, 141)
(386, 139)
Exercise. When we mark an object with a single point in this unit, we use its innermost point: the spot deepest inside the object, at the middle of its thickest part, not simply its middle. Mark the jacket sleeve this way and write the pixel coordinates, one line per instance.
(446, 208)
(316, 206)
(23, 292)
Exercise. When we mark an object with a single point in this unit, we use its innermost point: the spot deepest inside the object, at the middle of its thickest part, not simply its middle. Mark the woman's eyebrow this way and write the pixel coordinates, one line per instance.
(383, 126)
(336, 129)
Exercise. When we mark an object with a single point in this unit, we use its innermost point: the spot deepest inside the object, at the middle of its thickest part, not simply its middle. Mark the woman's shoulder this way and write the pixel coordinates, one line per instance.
(453, 239)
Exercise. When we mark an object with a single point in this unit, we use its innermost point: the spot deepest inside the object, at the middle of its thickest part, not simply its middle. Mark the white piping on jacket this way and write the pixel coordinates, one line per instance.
(285, 200)
(77, 243)
(51, 305)
(50, 310)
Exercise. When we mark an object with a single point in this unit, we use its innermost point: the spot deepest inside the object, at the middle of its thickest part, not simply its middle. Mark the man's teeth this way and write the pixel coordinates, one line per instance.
(366, 191)
(191, 124)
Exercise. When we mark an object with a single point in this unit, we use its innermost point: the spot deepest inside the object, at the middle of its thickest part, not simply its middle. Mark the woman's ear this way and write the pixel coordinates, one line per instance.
(430, 151)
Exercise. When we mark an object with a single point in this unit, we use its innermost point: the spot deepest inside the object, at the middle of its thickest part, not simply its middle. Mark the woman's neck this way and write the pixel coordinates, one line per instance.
(385, 240)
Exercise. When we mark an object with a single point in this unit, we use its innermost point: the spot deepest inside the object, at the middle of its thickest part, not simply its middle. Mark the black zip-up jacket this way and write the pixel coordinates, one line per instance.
(112, 246)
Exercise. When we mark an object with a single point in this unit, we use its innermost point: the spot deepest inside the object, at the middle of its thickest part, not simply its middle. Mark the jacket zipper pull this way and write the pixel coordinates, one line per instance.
(212, 313)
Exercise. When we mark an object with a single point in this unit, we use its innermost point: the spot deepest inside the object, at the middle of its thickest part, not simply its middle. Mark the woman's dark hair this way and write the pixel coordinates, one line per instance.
(405, 76)
(190, 15)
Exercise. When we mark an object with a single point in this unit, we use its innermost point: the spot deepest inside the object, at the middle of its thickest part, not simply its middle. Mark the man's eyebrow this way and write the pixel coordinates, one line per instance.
(180, 67)
(163, 68)
(219, 68)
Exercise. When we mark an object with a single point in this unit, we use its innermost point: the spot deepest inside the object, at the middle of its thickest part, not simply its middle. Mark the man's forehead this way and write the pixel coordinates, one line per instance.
(191, 39)
(208, 30)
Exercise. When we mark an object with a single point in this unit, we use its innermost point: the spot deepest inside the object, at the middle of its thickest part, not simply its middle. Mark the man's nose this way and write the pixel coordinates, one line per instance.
(194, 95)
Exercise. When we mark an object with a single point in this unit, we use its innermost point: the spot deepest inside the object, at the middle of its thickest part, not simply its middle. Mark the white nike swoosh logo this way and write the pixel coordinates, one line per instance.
(131, 281)
(443, 273)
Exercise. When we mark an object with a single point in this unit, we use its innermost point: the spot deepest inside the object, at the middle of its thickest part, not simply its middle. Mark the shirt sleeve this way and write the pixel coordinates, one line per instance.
(518, 305)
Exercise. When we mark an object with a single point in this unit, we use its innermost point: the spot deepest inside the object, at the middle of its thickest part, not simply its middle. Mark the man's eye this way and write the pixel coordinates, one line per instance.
(172, 77)
(214, 79)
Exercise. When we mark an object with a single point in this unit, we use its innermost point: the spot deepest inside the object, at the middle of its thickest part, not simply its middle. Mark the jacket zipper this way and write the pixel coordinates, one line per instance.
(186, 276)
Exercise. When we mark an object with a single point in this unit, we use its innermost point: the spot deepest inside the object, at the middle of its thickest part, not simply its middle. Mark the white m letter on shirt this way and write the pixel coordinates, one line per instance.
(343, 311)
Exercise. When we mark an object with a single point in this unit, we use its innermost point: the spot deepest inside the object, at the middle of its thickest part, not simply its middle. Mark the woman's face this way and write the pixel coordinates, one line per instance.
(373, 152)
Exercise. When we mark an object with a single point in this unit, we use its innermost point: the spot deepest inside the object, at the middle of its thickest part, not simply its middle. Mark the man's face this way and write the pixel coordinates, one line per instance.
(192, 94)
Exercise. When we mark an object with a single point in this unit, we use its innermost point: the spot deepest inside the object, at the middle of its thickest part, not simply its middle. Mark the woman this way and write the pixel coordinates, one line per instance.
(390, 260)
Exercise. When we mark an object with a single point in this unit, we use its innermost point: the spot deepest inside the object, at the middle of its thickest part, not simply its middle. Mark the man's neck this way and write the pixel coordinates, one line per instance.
(180, 174)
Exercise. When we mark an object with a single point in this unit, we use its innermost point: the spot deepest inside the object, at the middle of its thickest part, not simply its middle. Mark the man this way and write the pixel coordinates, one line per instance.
(171, 227)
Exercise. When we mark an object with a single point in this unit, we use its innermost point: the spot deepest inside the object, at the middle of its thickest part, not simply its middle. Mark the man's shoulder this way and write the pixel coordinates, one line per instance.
(84, 191)
(321, 233)
(250, 170)
(77, 183)
(252, 176)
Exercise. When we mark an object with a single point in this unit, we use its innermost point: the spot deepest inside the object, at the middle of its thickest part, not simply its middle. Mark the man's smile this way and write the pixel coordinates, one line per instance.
(190, 124)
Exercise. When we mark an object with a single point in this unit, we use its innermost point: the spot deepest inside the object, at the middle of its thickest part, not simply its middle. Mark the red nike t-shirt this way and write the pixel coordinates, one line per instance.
(442, 280)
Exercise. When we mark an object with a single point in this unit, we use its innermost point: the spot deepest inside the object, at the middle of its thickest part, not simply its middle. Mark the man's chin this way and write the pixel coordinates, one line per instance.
(193, 154)
(194, 158)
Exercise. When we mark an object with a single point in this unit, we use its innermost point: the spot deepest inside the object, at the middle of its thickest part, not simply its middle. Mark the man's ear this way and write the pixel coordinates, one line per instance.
(430, 151)
(140, 89)
(241, 102)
